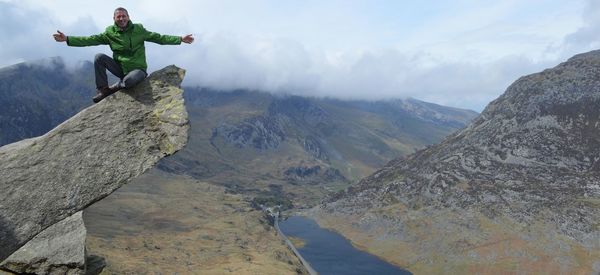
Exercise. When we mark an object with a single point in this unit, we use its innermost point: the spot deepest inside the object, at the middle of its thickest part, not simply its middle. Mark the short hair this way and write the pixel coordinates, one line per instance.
(121, 9)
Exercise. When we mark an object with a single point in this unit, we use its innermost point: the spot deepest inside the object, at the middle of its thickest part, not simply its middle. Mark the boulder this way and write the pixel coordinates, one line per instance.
(48, 178)
(60, 249)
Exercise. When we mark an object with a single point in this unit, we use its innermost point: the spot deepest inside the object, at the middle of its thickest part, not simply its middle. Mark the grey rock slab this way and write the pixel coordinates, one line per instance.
(60, 249)
(48, 178)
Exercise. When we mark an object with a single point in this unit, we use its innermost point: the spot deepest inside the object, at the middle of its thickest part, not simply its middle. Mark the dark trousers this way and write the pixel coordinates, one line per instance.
(104, 62)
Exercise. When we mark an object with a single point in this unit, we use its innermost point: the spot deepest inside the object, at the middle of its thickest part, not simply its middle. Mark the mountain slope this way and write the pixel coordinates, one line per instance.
(518, 190)
(264, 144)
(37, 96)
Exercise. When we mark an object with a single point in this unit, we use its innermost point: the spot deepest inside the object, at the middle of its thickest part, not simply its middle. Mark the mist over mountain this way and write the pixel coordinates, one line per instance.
(36, 96)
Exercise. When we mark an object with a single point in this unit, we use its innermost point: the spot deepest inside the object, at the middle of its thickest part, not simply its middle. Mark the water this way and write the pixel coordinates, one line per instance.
(330, 253)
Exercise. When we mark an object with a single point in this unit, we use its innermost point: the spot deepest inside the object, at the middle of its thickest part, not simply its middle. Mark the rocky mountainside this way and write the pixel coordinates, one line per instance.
(49, 178)
(517, 191)
(37, 96)
(268, 145)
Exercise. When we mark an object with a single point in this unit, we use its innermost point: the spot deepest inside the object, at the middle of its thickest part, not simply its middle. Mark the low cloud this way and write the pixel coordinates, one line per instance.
(27, 35)
(227, 60)
(587, 37)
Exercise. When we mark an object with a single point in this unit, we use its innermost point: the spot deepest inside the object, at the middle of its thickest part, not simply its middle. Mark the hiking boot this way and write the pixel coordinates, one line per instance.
(104, 92)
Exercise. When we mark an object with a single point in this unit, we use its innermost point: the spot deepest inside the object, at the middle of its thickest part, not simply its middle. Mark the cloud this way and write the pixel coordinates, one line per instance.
(452, 53)
(27, 35)
(227, 61)
(586, 37)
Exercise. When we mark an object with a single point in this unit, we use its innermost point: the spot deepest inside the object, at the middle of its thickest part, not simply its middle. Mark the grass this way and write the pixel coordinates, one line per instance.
(165, 224)
(440, 243)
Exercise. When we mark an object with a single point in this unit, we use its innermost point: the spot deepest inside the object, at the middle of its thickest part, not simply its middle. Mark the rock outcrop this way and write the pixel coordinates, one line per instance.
(48, 178)
(60, 249)
(516, 191)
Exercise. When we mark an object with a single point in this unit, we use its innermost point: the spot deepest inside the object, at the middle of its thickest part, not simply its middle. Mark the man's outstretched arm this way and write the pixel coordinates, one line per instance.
(166, 39)
(80, 41)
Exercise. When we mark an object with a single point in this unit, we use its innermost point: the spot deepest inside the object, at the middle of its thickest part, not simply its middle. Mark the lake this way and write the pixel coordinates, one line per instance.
(330, 253)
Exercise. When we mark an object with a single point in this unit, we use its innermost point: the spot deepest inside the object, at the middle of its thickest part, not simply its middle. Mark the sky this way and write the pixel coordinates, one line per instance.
(460, 53)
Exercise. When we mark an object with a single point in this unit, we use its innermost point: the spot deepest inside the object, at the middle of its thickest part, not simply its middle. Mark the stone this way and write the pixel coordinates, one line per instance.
(87, 157)
(60, 249)
(94, 265)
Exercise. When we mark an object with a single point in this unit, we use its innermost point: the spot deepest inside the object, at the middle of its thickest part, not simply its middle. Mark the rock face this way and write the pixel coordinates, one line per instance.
(49, 178)
(262, 133)
(516, 191)
(60, 249)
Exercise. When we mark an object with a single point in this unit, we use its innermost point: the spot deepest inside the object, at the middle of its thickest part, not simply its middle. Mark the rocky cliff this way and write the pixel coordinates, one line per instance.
(518, 190)
(51, 177)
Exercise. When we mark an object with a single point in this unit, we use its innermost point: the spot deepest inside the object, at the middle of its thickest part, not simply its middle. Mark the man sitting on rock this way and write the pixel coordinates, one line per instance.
(126, 40)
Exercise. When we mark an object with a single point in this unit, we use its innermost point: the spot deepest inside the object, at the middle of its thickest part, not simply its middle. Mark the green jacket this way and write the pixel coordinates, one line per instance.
(127, 45)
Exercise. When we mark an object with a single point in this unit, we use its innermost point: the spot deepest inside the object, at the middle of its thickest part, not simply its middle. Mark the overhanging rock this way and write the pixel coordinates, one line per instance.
(48, 178)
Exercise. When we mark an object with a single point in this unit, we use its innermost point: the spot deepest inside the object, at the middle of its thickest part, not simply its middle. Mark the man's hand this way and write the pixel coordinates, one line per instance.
(187, 39)
(61, 37)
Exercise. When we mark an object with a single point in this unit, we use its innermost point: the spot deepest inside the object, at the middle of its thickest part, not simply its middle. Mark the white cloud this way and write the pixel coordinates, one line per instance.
(457, 53)
(587, 36)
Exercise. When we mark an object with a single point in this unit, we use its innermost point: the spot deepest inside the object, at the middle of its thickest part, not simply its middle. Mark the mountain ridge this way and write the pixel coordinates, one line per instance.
(527, 164)
(41, 94)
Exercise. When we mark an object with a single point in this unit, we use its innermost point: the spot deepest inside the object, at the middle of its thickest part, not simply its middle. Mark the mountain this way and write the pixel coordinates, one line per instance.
(49, 178)
(37, 96)
(269, 145)
(517, 191)
(276, 148)
(246, 140)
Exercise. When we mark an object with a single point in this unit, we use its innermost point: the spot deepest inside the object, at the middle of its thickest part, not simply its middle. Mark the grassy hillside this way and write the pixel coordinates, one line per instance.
(176, 225)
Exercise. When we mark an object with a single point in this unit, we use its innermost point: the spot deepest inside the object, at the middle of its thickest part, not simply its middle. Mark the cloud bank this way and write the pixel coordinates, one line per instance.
(464, 57)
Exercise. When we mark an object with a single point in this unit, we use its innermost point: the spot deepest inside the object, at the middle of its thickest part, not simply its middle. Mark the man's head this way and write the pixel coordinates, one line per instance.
(121, 17)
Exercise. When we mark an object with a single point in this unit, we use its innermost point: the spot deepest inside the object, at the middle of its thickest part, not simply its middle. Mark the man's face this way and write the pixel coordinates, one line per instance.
(121, 18)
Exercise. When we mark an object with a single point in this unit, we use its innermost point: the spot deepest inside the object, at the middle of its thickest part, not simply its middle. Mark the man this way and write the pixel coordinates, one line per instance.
(126, 40)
